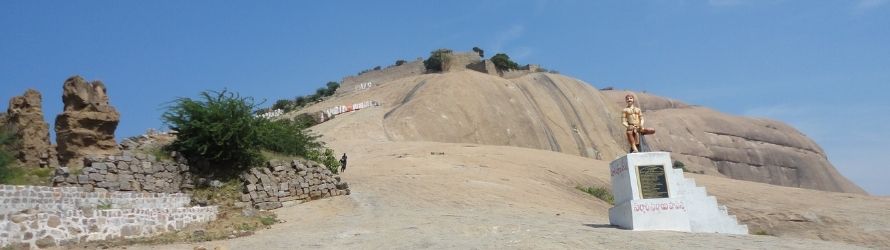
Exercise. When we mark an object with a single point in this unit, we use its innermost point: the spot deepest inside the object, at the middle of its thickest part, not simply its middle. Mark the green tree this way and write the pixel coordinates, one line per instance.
(332, 87)
(287, 137)
(502, 62)
(436, 60)
(218, 128)
(325, 156)
(479, 51)
(282, 104)
(400, 62)
(299, 101)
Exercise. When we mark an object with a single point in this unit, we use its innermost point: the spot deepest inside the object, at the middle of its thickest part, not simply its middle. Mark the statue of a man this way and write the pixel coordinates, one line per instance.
(632, 118)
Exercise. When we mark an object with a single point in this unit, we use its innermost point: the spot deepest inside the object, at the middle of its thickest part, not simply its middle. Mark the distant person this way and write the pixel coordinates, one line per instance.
(632, 119)
(343, 163)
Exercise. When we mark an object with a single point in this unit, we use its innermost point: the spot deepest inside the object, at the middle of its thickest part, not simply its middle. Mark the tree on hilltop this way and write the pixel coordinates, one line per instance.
(502, 62)
(436, 60)
(479, 51)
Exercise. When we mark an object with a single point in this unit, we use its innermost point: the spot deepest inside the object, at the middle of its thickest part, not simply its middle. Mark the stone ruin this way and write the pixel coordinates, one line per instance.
(87, 124)
(24, 119)
(455, 61)
(129, 171)
(279, 182)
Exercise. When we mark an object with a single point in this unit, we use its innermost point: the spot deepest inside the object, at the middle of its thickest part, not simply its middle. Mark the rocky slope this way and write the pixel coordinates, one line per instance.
(562, 114)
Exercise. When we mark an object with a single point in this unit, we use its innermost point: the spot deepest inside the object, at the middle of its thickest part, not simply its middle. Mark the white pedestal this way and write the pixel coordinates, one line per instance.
(651, 195)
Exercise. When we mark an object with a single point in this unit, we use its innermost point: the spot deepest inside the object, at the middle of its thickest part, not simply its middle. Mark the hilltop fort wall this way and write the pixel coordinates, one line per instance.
(352, 84)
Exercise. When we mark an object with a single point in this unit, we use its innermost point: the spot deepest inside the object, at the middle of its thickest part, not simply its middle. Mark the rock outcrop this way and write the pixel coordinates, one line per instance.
(24, 120)
(737, 147)
(87, 124)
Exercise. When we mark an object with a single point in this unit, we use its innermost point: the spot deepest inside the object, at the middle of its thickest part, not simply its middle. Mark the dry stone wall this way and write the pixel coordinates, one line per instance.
(130, 171)
(298, 180)
(38, 217)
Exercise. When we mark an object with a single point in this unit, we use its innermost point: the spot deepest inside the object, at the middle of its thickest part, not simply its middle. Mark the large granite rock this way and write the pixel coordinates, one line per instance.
(558, 113)
(87, 124)
(24, 120)
(742, 148)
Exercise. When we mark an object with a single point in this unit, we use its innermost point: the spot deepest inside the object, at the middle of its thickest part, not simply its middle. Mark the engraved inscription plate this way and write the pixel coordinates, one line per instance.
(653, 182)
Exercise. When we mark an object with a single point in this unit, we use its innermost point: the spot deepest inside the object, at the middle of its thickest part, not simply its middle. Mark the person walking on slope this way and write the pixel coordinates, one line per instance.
(343, 163)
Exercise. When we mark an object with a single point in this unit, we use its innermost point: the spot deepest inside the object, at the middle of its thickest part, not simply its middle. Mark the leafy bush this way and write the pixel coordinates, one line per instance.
(326, 157)
(283, 104)
(219, 129)
(6, 158)
(332, 87)
(502, 62)
(268, 220)
(680, 165)
(400, 62)
(305, 120)
(436, 60)
(299, 101)
(286, 137)
(19, 175)
(599, 192)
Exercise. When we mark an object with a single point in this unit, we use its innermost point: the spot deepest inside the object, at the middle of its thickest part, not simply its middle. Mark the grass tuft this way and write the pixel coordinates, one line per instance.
(599, 192)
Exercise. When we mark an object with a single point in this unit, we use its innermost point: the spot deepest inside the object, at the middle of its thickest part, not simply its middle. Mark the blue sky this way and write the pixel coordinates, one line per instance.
(821, 66)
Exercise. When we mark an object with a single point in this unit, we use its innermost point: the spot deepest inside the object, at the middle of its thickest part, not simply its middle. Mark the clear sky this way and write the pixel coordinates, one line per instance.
(821, 66)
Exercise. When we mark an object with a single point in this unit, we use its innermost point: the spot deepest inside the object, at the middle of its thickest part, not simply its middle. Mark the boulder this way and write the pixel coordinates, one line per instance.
(87, 124)
(24, 119)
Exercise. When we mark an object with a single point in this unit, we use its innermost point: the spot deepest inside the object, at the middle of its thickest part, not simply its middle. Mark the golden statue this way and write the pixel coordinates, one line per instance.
(632, 118)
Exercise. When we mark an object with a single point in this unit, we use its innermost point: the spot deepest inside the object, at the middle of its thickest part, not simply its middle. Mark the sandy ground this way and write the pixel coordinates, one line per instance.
(425, 195)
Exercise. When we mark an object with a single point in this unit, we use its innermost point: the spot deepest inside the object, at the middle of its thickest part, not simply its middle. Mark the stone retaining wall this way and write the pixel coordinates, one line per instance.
(128, 172)
(18, 198)
(268, 187)
(37, 217)
(33, 229)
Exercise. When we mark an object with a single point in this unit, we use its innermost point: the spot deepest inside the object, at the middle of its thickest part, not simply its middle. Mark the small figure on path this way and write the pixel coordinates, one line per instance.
(343, 163)
(632, 119)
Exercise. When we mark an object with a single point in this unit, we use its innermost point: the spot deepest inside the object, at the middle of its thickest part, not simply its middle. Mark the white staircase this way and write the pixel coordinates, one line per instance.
(705, 214)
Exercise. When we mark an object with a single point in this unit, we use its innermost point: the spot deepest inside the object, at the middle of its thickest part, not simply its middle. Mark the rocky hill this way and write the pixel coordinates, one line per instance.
(558, 113)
